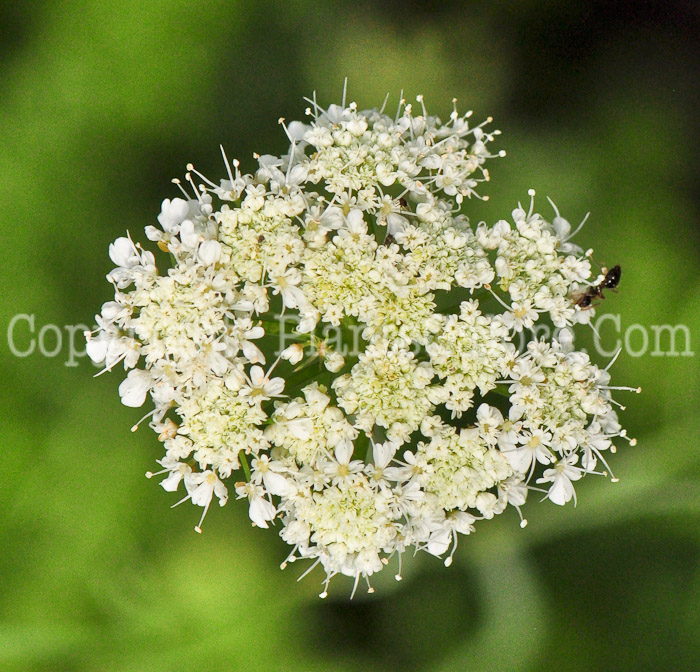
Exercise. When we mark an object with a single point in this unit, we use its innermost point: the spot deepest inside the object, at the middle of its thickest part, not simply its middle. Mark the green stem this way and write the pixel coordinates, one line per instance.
(502, 390)
(244, 464)
(274, 327)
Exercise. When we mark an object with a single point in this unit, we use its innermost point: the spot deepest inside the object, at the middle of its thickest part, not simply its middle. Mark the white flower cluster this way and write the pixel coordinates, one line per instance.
(400, 411)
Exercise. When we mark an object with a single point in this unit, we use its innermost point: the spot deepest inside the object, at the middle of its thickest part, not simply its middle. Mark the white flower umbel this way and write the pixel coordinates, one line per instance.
(388, 388)
(332, 333)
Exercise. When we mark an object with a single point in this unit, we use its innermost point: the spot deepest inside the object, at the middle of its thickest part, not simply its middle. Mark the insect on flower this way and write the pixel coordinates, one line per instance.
(610, 280)
(612, 277)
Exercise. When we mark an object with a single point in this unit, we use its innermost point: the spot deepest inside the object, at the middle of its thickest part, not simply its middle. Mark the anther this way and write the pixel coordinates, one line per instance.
(148, 415)
(180, 187)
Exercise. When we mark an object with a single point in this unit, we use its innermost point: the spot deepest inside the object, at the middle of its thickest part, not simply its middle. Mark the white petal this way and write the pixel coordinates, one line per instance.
(134, 388)
(520, 459)
(566, 339)
(276, 484)
(383, 453)
(123, 253)
(463, 522)
(203, 494)
(209, 252)
(260, 511)
(218, 363)
(355, 221)
(301, 429)
(561, 227)
(439, 542)
(252, 352)
(221, 492)
(188, 236)
(111, 310)
(235, 380)
(561, 491)
(275, 387)
(172, 481)
(294, 353)
(257, 375)
(172, 213)
(96, 349)
(343, 451)
(244, 305)
(296, 130)
(309, 320)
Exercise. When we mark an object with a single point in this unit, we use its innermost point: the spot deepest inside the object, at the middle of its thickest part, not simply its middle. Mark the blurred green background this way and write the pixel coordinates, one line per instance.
(101, 104)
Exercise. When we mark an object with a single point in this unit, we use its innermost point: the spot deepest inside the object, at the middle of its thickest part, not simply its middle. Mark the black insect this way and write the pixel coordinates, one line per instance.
(583, 300)
(610, 280)
(612, 277)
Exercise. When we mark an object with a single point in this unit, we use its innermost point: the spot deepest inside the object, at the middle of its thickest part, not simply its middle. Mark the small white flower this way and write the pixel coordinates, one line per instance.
(176, 472)
(270, 474)
(343, 466)
(534, 448)
(520, 316)
(201, 488)
(563, 231)
(260, 509)
(561, 476)
(260, 386)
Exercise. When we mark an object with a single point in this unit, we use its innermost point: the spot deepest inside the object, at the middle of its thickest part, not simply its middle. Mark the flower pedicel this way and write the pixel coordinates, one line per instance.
(333, 340)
